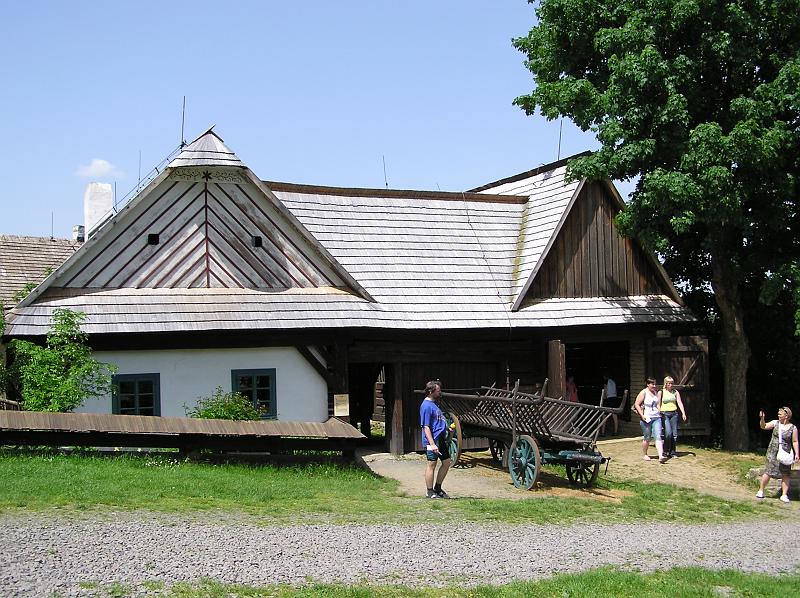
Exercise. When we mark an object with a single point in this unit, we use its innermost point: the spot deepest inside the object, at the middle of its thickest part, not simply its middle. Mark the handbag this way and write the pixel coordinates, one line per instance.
(783, 457)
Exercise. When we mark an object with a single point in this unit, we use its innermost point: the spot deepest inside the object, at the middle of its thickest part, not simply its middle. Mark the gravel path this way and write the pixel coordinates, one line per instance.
(41, 555)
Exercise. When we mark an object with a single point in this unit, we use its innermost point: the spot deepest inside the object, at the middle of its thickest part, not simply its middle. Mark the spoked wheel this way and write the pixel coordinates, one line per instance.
(524, 462)
(456, 440)
(498, 450)
(583, 474)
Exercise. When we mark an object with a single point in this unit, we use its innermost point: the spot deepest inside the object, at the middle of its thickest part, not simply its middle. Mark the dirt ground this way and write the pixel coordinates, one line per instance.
(477, 476)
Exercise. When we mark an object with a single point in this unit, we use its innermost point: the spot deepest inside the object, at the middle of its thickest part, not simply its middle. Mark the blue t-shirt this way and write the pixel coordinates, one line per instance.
(430, 415)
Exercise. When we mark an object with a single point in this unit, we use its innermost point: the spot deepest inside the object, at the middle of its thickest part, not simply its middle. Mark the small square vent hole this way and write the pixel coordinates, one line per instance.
(152, 239)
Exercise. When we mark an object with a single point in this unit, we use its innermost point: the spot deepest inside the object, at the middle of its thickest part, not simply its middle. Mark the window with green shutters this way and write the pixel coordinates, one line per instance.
(136, 394)
(259, 387)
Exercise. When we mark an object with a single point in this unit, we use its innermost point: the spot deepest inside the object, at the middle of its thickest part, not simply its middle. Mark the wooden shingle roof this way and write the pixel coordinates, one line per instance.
(29, 260)
(207, 150)
(549, 199)
(142, 424)
(395, 259)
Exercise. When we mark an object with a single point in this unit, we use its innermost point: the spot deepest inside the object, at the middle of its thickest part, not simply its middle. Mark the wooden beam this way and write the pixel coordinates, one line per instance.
(556, 368)
(393, 395)
(320, 368)
(340, 380)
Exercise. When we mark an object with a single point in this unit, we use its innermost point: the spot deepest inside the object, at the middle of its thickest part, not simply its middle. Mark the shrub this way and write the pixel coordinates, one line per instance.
(61, 375)
(224, 405)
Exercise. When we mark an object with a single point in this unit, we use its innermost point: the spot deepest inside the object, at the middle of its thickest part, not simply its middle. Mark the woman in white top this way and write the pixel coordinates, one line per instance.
(784, 434)
(647, 405)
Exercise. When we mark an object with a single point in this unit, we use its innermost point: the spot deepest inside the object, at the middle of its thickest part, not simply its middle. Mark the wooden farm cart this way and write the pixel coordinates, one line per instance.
(535, 430)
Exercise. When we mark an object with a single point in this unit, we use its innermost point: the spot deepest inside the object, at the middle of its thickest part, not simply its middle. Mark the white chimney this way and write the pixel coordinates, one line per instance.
(78, 233)
(98, 202)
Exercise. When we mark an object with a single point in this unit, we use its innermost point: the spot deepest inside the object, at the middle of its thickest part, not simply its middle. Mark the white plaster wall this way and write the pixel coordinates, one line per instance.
(187, 374)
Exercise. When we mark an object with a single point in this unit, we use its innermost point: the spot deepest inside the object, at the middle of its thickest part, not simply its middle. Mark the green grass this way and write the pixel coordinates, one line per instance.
(604, 582)
(328, 492)
(37, 482)
(741, 465)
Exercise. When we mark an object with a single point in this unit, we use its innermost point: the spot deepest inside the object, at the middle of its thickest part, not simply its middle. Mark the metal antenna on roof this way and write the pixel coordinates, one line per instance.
(139, 182)
(183, 122)
(385, 180)
(560, 127)
(51, 226)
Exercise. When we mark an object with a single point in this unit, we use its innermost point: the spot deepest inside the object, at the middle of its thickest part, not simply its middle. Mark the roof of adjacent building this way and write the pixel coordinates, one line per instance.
(394, 259)
(26, 261)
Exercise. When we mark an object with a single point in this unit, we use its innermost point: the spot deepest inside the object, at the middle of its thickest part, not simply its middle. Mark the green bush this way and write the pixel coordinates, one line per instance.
(224, 405)
(61, 375)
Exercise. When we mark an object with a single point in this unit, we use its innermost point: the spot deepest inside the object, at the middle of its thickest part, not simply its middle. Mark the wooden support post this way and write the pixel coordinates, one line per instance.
(393, 395)
(340, 377)
(556, 369)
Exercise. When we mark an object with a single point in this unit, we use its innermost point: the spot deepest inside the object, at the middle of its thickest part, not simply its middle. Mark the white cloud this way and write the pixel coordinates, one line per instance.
(99, 169)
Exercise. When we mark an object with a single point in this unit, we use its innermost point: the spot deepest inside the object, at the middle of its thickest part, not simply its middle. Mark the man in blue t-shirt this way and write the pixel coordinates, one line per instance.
(434, 439)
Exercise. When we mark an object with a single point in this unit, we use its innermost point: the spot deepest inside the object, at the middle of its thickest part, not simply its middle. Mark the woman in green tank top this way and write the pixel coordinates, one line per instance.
(670, 404)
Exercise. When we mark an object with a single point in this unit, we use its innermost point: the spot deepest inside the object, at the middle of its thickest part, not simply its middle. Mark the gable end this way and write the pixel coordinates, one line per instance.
(590, 258)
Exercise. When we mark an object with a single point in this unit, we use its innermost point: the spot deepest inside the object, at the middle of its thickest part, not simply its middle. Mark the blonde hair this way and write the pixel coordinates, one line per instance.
(787, 411)
(668, 379)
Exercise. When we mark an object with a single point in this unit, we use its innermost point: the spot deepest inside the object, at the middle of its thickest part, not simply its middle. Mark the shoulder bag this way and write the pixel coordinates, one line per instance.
(783, 457)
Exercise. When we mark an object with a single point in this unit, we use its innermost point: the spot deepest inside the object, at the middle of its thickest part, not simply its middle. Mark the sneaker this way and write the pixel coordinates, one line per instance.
(663, 459)
(442, 493)
(784, 498)
(433, 494)
(673, 454)
(760, 494)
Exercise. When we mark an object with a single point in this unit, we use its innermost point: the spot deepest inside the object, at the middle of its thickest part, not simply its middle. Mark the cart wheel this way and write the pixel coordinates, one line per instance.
(583, 474)
(456, 440)
(498, 450)
(524, 462)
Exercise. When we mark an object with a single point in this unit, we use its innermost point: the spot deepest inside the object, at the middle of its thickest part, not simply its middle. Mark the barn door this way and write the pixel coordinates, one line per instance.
(685, 358)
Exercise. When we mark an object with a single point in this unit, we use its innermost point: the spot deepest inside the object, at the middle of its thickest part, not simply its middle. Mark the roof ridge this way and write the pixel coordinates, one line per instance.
(530, 173)
(35, 238)
(392, 193)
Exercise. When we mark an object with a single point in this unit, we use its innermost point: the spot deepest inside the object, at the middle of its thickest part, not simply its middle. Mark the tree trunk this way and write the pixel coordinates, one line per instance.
(735, 352)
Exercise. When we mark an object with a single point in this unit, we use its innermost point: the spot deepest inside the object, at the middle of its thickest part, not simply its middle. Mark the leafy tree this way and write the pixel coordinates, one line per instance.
(224, 405)
(61, 375)
(702, 99)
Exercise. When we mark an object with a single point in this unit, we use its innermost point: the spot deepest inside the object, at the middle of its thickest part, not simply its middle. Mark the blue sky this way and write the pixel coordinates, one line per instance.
(307, 92)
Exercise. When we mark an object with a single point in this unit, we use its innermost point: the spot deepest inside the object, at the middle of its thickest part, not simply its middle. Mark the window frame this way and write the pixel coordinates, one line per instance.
(273, 394)
(153, 377)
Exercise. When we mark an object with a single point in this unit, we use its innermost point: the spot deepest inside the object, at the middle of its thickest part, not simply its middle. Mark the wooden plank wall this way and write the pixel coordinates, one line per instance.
(458, 362)
(453, 375)
(591, 259)
(638, 358)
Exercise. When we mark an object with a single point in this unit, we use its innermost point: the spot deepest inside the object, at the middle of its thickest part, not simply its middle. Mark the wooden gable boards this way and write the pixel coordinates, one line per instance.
(569, 246)
(590, 258)
(206, 222)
